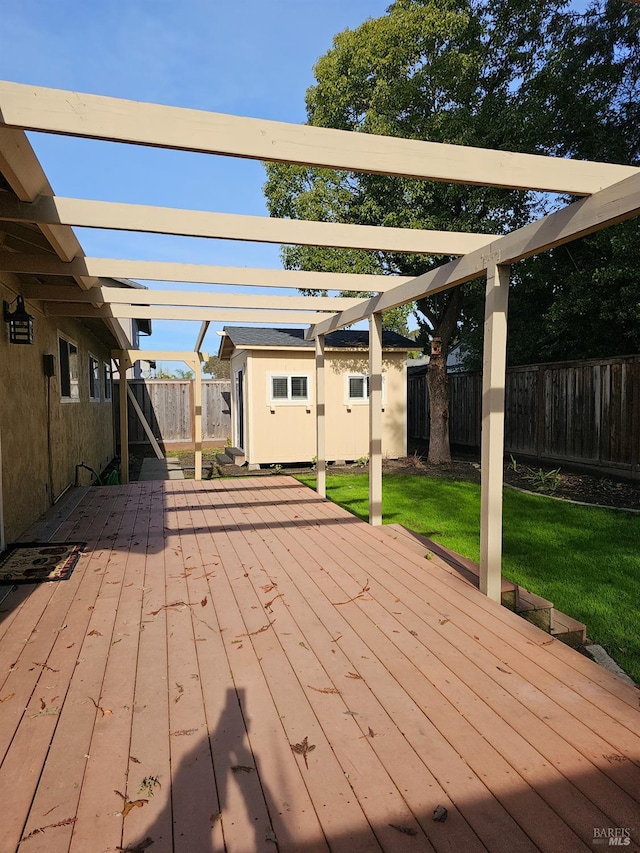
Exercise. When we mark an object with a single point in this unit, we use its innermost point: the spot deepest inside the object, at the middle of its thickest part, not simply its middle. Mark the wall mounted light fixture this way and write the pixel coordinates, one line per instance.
(20, 323)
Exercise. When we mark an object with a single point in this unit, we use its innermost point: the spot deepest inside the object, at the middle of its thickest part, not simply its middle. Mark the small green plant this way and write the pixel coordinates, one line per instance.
(148, 784)
(276, 469)
(544, 481)
(227, 442)
(314, 463)
(513, 464)
(362, 461)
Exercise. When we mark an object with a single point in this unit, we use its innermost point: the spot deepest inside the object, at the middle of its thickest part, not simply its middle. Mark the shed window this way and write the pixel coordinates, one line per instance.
(358, 388)
(289, 388)
(69, 384)
(94, 378)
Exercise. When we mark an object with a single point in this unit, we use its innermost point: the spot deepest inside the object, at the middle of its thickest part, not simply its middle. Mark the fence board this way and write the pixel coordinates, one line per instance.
(167, 406)
(585, 413)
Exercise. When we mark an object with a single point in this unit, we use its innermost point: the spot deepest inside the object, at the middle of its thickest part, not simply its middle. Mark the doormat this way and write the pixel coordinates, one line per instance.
(36, 562)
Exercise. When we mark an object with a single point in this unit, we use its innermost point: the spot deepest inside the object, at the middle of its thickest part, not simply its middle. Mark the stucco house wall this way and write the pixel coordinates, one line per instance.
(42, 436)
(285, 431)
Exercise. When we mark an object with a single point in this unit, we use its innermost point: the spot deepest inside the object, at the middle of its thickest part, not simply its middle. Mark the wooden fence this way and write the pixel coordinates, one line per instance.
(168, 406)
(584, 413)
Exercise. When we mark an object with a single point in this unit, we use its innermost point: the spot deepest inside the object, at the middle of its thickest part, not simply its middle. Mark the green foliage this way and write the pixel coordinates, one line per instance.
(584, 559)
(217, 368)
(535, 76)
(541, 480)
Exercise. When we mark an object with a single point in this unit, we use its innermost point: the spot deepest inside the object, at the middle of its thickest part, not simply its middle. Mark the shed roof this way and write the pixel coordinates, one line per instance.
(249, 337)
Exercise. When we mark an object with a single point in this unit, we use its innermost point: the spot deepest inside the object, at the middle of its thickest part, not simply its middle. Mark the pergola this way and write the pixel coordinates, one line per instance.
(608, 194)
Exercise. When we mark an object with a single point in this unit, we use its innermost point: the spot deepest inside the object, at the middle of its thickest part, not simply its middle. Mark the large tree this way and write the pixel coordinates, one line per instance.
(488, 74)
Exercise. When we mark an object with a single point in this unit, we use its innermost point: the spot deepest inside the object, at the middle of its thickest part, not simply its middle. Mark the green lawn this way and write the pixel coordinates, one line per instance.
(584, 559)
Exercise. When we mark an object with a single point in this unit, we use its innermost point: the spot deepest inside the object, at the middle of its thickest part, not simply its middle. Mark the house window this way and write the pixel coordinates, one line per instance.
(358, 388)
(290, 389)
(94, 378)
(69, 384)
(107, 381)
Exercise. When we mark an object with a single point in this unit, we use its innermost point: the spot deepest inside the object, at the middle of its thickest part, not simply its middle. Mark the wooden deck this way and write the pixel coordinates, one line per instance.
(152, 701)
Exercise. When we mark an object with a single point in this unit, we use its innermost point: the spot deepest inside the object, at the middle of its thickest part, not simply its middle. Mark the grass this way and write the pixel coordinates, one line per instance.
(585, 560)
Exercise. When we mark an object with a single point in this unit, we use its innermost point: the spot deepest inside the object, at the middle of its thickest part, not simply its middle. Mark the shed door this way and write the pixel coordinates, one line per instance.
(240, 409)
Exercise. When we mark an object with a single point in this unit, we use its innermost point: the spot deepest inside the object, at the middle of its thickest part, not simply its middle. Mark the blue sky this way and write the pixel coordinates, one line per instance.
(250, 58)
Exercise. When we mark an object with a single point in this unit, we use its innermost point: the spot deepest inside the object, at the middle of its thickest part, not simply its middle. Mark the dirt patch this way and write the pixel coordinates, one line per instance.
(545, 480)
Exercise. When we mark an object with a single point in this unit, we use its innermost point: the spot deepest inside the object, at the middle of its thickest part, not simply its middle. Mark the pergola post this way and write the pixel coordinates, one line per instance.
(492, 454)
(197, 404)
(375, 419)
(123, 366)
(321, 453)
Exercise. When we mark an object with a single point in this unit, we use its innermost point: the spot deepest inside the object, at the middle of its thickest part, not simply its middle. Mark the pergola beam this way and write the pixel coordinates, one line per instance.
(98, 117)
(196, 273)
(221, 315)
(607, 207)
(202, 299)
(148, 219)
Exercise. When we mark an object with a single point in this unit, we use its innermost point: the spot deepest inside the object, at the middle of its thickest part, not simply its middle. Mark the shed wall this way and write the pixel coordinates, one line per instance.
(284, 432)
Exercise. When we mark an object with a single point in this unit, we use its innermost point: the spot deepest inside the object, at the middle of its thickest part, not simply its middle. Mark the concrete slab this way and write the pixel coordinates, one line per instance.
(161, 469)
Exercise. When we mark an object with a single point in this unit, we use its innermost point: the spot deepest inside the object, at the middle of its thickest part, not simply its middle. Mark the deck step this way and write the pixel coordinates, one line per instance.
(525, 603)
(238, 456)
(567, 629)
(223, 459)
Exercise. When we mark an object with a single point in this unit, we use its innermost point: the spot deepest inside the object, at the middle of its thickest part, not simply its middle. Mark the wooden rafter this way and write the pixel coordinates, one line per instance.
(21, 262)
(202, 299)
(233, 226)
(98, 117)
(220, 315)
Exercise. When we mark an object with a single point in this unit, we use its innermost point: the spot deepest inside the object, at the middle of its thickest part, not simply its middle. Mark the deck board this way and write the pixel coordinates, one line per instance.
(212, 625)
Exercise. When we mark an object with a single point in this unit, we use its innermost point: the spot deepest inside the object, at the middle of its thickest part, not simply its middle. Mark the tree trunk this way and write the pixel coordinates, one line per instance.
(438, 387)
(438, 380)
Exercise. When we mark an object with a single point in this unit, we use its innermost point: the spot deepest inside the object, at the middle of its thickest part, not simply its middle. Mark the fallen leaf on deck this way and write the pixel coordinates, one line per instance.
(183, 732)
(415, 633)
(41, 829)
(406, 830)
(270, 835)
(204, 601)
(268, 587)
(180, 692)
(214, 818)
(353, 675)
(50, 712)
(440, 814)
(362, 592)
(304, 645)
(104, 711)
(371, 732)
(242, 768)
(94, 633)
(268, 607)
(43, 704)
(134, 759)
(259, 631)
(133, 804)
(352, 713)
(44, 666)
(71, 646)
(504, 670)
(303, 749)
(443, 621)
(323, 689)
